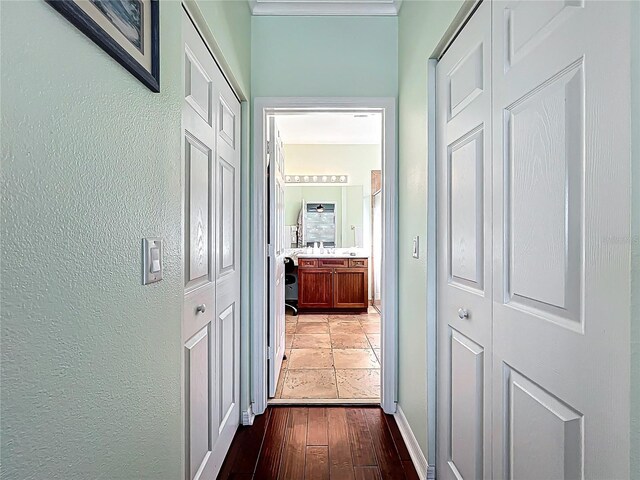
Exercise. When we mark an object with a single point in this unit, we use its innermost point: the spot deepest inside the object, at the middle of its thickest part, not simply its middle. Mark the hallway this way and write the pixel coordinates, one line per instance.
(177, 175)
(291, 443)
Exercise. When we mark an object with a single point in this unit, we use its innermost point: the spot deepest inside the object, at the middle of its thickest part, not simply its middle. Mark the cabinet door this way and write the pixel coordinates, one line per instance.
(350, 288)
(316, 288)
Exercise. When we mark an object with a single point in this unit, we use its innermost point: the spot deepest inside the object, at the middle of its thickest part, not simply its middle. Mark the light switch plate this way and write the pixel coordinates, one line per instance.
(416, 247)
(152, 262)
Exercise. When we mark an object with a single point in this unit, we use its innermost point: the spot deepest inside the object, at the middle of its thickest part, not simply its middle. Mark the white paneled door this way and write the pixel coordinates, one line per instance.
(534, 243)
(211, 317)
(275, 169)
(561, 86)
(464, 252)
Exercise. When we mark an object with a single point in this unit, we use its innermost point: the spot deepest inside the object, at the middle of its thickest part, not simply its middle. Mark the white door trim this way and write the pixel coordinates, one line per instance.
(432, 294)
(262, 107)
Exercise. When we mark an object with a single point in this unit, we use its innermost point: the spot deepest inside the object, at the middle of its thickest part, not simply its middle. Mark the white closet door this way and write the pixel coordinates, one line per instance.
(211, 317)
(561, 229)
(226, 414)
(464, 253)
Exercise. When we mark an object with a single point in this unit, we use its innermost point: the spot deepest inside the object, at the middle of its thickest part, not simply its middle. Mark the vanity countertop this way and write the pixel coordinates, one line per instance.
(333, 255)
(338, 253)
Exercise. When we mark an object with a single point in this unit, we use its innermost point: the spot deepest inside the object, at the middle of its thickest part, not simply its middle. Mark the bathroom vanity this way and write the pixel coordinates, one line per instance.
(333, 282)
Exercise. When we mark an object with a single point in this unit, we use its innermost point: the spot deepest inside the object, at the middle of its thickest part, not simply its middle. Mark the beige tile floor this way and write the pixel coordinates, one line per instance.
(331, 357)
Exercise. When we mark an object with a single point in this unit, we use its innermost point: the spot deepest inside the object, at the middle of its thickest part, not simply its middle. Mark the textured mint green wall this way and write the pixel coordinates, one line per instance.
(635, 230)
(324, 56)
(421, 27)
(90, 165)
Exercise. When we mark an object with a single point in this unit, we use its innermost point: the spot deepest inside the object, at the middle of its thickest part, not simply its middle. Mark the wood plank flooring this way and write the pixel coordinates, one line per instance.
(318, 443)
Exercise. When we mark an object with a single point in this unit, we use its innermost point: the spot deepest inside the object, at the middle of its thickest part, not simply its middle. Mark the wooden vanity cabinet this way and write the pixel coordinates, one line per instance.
(326, 284)
(315, 288)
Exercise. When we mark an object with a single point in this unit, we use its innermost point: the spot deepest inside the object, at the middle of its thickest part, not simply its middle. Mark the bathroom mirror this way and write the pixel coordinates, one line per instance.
(344, 205)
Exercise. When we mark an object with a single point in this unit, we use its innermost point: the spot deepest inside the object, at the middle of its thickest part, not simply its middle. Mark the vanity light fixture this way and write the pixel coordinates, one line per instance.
(320, 208)
(317, 179)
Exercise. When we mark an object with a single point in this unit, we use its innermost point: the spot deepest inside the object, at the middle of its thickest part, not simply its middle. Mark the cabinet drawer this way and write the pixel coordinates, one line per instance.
(333, 262)
(358, 262)
(307, 262)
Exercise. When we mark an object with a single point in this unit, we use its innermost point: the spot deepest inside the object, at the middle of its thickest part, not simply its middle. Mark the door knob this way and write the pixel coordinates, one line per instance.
(463, 313)
(201, 308)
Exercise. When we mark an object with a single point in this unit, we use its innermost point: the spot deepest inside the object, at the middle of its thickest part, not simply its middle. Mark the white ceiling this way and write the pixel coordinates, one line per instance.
(325, 7)
(331, 128)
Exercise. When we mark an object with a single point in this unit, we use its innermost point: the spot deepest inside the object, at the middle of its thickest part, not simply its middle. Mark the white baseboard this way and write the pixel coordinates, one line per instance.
(248, 416)
(418, 458)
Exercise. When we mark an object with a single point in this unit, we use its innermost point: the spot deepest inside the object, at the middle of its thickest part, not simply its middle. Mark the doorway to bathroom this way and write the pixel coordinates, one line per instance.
(326, 333)
(321, 167)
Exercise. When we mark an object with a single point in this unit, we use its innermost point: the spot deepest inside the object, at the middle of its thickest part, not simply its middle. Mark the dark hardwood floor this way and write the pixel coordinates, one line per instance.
(336, 443)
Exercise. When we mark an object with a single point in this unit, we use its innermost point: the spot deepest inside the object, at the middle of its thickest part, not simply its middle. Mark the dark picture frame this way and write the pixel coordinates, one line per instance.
(83, 22)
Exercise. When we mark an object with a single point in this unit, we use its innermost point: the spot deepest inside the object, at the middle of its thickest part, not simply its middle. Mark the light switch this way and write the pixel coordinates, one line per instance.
(151, 260)
(155, 259)
(416, 247)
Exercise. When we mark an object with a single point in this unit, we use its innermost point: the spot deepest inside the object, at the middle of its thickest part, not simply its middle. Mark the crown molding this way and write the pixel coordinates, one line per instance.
(324, 8)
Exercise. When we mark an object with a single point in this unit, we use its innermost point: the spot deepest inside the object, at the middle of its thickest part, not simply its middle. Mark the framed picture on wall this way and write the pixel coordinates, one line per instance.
(128, 30)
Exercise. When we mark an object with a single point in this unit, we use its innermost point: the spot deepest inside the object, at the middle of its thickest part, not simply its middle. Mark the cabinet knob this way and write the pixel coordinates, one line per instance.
(201, 308)
(463, 313)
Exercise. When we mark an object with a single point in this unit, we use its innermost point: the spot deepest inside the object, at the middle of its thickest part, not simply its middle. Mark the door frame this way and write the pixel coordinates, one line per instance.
(262, 107)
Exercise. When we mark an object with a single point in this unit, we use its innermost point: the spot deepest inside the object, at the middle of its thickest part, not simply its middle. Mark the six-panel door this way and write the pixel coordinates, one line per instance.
(544, 384)
(464, 253)
(561, 85)
(277, 228)
(198, 329)
(211, 315)
(227, 248)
